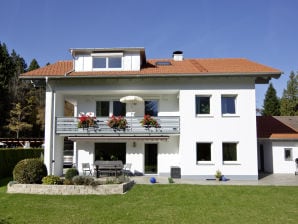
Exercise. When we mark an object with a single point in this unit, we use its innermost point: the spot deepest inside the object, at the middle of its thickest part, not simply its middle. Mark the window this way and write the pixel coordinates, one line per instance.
(99, 62)
(228, 104)
(229, 151)
(102, 108)
(107, 62)
(115, 62)
(151, 107)
(203, 151)
(202, 104)
(119, 109)
(288, 154)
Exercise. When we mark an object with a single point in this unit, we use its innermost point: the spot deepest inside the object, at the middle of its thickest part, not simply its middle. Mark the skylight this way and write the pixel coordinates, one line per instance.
(162, 63)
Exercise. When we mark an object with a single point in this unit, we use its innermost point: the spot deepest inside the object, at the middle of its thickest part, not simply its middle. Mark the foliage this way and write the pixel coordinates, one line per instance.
(86, 121)
(218, 174)
(70, 173)
(51, 180)
(17, 116)
(84, 180)
(10, 157)
(289, 100)
(29, 171)
(169, 203)
(149, 121)
(171, 180)
(117, 180)
(271, 106)
(117, 122)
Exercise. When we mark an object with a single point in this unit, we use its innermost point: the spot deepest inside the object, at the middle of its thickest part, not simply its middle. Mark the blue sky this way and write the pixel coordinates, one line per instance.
(263, 31)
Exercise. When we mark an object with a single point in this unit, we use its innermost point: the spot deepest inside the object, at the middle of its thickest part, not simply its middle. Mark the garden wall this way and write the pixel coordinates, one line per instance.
(69, 189)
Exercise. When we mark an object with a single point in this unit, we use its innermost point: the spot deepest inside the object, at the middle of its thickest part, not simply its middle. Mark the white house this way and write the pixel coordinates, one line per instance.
(205, 108)
(278, 144)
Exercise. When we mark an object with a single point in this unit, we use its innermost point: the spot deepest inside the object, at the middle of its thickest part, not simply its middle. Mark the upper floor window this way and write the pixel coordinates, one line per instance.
(202, 104)
(119, 109)
(102, 108)
(151, 107)
(107, 62)
(228, 104)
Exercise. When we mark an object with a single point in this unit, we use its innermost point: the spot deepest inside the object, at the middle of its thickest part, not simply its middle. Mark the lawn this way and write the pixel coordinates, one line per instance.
(157, 204)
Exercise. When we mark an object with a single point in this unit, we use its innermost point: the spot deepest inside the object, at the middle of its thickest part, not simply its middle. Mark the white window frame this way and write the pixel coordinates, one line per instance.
(209, 162)
(231, 162)
(107, 56)
(291, 154)
(203, 115)
(235, 96)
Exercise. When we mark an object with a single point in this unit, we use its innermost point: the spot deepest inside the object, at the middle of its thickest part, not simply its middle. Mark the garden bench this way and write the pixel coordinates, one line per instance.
(108, 167)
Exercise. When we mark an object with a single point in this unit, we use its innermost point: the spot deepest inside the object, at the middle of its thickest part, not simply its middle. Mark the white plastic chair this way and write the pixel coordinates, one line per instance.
(86, 169)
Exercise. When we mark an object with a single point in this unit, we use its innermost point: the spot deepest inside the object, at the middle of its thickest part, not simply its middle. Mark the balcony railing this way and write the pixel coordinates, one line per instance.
(67, 126)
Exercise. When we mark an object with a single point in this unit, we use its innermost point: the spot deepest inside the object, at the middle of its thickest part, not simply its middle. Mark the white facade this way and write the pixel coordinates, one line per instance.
(203, 142)
(279, 156)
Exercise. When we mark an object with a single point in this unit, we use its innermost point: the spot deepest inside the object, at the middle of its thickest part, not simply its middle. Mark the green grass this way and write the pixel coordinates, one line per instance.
(157, 204)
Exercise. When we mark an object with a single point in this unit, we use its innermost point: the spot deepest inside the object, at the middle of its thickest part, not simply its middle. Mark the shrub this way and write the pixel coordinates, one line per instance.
(51, 180)
(70, 173)
(83, 180)
(171, 181)
(29, 171)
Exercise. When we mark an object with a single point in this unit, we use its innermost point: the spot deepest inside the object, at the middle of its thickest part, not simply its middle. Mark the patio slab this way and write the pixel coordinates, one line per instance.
(267, 180)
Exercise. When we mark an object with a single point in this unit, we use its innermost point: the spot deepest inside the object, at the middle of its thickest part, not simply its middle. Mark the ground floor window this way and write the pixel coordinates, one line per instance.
(110, 151)
(288, 154)
(229, 151)
(203, 152)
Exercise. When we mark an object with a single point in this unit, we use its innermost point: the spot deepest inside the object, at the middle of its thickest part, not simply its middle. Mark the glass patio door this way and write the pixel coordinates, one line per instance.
(151, 158)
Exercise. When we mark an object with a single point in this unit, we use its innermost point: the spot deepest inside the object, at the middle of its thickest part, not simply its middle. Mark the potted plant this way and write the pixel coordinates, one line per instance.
(218, 175)
(86, 121)
(117, 123)
(149, 122)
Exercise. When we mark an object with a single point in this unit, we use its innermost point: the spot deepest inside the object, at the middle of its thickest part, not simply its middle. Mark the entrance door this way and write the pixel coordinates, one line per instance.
(150, 158)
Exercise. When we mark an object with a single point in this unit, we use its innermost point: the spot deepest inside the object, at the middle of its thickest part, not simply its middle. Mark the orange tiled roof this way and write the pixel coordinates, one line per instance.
(277, 127)
(186, 67)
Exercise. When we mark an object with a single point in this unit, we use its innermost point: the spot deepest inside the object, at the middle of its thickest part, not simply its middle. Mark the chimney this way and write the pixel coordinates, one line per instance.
(178, 55)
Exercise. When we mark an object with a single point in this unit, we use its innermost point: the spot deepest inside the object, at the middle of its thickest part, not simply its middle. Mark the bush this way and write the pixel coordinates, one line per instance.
(10, 157)
(84, 180)
(51, 180)
(70, 173)
(29, 171)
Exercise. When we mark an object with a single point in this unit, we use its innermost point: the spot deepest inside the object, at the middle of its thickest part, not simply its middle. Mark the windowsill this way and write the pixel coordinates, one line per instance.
(107, 69)
(231, 163)
(230, 115)
(204, 115)
(208, 163)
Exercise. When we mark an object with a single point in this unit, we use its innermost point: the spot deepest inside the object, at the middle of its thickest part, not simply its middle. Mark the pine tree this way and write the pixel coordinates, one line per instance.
(33, 65)
(289, 100)
(271, 106)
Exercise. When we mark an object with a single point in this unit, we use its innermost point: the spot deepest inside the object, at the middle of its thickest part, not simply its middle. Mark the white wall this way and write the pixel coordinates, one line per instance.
(280, 165)
(217, 129)
(130, 62)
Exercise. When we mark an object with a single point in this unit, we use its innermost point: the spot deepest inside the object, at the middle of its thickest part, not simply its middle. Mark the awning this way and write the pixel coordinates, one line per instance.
(118, 138)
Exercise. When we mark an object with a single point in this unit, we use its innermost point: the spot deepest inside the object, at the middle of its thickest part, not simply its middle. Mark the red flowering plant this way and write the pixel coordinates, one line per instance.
(149, 122)
(117, 122)
(86, 120)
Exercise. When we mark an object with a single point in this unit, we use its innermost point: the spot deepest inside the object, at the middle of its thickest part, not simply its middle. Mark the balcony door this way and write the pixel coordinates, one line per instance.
(105, 108)
(151, 153)
(151, 107)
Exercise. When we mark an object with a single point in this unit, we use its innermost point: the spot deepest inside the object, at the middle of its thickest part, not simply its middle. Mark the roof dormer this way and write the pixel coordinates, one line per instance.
(108, 59)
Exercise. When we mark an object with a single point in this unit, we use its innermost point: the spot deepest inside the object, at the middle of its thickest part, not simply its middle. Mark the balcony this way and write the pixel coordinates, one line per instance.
(68, 126)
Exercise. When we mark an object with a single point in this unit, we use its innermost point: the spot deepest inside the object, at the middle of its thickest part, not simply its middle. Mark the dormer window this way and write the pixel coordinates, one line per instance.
(107, 61)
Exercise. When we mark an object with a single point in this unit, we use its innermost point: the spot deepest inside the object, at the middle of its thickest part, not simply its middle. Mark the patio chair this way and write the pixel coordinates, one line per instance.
(86, 169)
(126, 169)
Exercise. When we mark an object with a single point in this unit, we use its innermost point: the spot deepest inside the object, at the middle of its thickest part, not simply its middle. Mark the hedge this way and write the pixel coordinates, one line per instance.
(10, 157)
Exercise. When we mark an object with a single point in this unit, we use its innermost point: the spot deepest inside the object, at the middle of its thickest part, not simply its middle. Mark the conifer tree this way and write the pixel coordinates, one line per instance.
(289, 100)
(271, 106)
